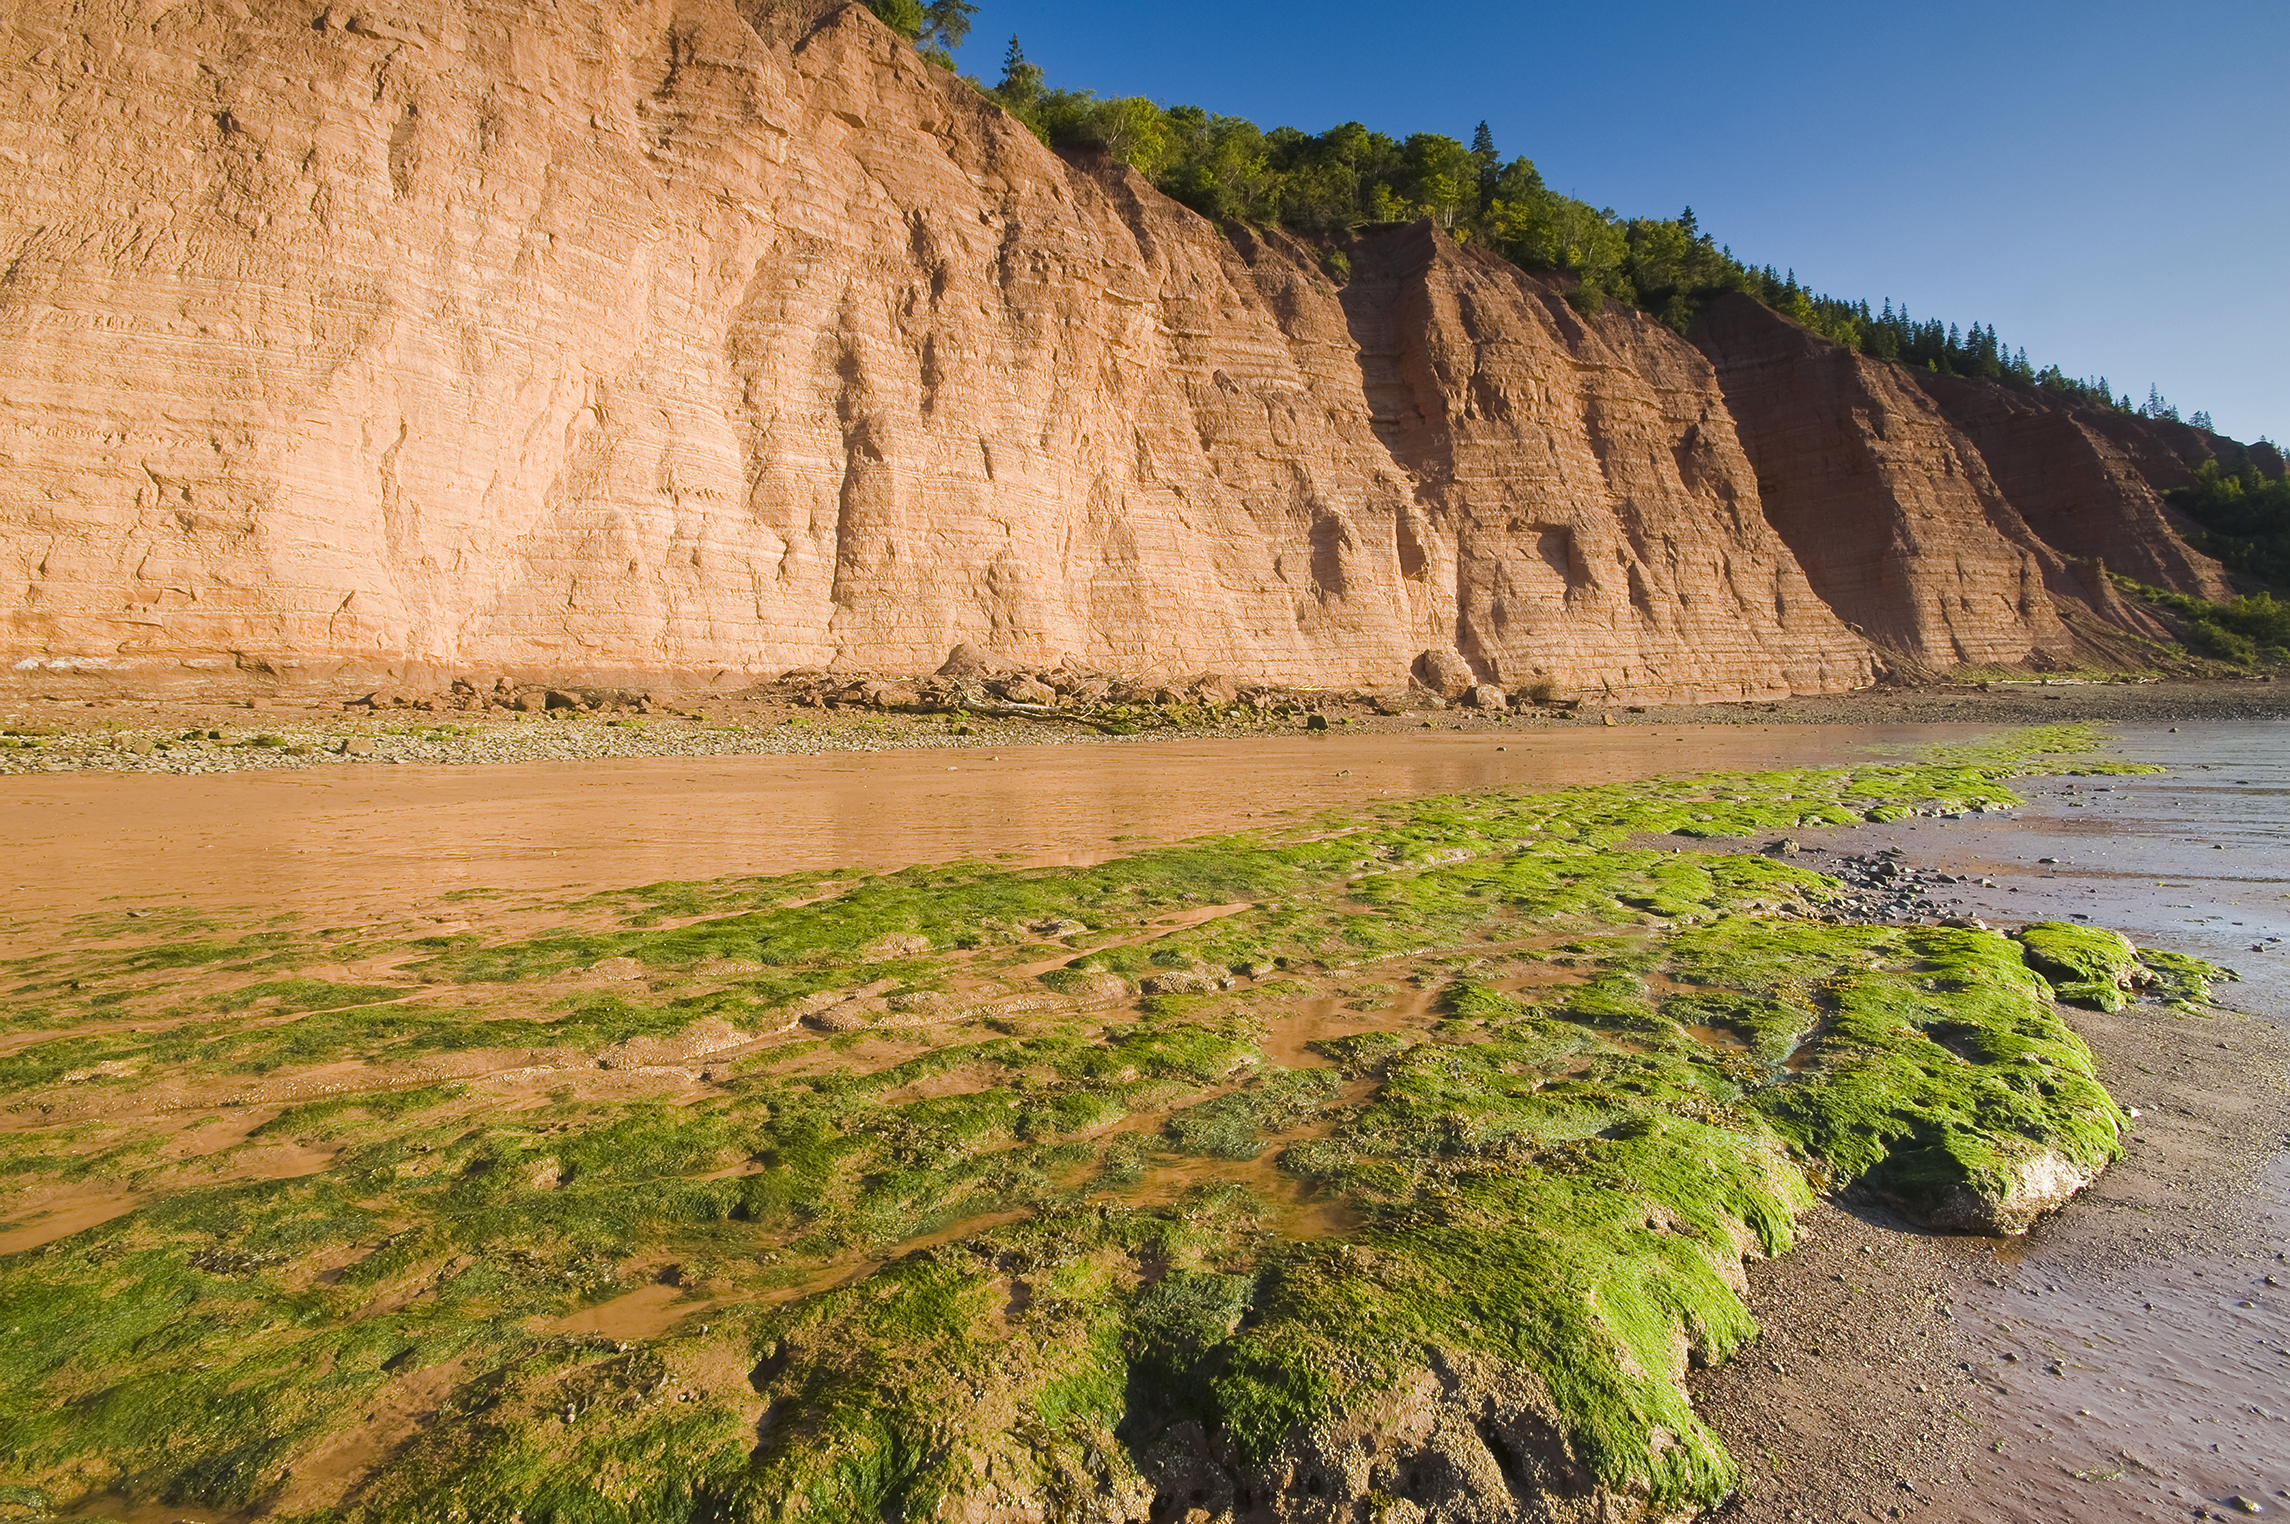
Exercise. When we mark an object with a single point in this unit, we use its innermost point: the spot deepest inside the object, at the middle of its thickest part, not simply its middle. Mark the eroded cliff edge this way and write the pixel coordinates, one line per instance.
(685, 336)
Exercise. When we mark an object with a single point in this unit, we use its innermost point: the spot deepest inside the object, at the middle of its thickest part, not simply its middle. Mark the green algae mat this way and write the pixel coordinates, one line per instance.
(1365, 1167)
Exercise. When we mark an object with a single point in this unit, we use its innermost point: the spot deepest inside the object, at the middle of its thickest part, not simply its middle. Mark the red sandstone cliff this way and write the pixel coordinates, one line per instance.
(2082, 480)
(1959, 521)
(1591, 510)
(689, 336)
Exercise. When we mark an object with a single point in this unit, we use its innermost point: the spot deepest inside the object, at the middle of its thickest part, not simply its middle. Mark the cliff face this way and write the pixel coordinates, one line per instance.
(1589, 508)
(670, 335)
(2084, 479)
(1957, 521)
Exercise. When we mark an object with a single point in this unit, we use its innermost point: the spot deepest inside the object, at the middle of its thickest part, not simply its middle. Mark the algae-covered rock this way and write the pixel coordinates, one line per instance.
(2039, 1183)
(1940, 1077)
(1183, 981)
(2178, 980)
(1087, 986)
(2087, 965)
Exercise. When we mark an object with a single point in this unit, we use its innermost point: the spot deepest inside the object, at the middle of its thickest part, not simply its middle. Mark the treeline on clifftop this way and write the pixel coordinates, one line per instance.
(1327, 185)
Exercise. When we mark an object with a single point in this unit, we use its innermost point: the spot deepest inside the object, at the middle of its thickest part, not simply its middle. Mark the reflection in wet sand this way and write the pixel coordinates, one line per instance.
(338, 844)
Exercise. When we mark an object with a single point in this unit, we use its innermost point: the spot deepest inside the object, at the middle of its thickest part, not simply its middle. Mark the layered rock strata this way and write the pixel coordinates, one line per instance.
(687, 337)
(1581, 500)
(2087, 489)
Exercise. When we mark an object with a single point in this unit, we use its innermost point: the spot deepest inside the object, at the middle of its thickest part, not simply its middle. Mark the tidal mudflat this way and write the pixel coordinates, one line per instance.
(1395, 1155)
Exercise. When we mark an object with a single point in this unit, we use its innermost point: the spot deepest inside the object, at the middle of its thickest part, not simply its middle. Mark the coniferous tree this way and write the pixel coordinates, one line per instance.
(1490, 163)
(1020, 91)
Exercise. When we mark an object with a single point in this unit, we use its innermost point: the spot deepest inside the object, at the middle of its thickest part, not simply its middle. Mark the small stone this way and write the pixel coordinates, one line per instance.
(1318, 721)
(1026, 689)
(1445, 673)
(969, 660)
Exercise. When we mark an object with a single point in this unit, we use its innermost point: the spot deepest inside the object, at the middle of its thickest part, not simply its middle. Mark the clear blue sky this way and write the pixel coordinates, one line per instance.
(2107, 183)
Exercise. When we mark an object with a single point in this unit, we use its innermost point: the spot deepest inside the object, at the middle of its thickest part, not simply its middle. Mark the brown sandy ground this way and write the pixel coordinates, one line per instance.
(881, 1031)
(71, 725)
(1911, 1376)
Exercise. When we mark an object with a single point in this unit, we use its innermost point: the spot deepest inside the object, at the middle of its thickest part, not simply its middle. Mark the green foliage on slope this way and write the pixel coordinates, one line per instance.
(2245, 521)
(2250, 631)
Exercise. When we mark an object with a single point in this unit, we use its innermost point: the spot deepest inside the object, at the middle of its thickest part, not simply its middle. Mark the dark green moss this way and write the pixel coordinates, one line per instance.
(1235, 1125)
(2087, 965)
